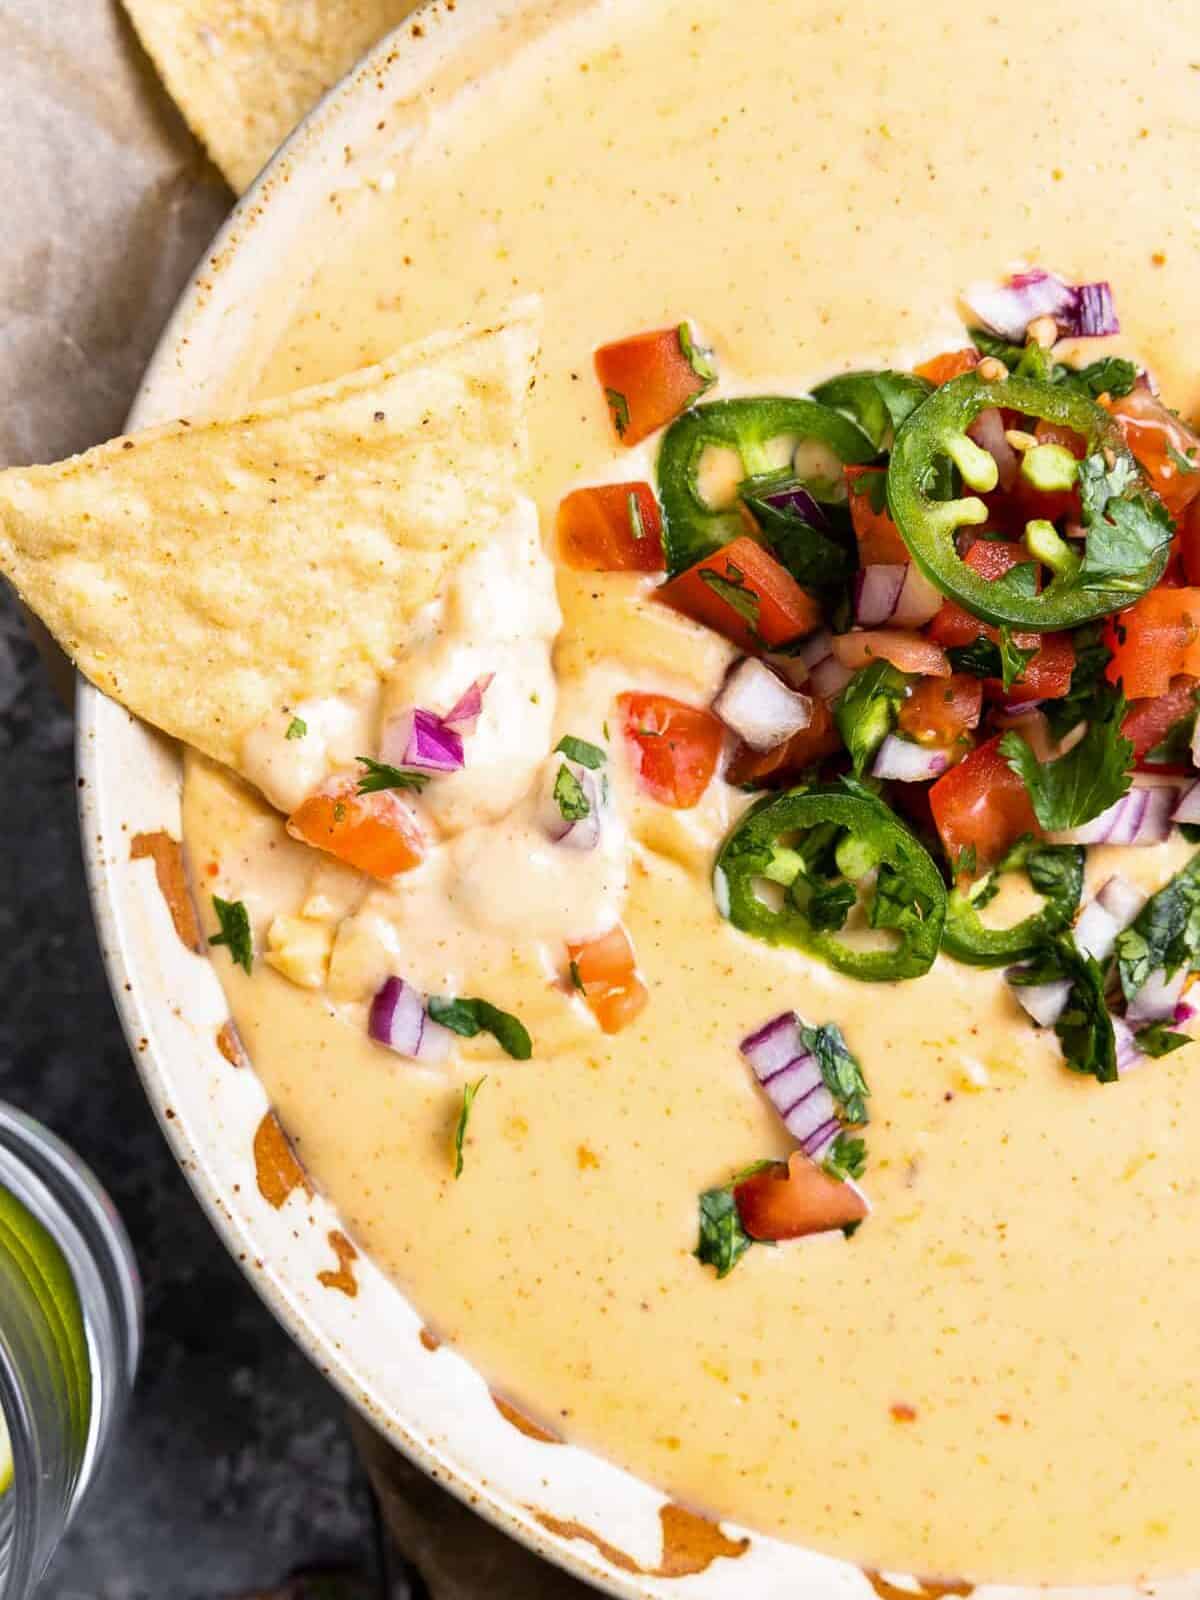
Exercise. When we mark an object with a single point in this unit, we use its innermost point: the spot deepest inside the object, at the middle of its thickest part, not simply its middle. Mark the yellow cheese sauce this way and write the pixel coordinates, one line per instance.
(996, 1378)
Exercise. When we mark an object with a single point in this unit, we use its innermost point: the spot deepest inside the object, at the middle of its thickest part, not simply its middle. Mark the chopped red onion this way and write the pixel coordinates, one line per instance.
(828, 678)
(920, 600)
(1044, 1002)
(877, 592)
(1109, 914)
(792, 1080)
(421, 740)
(1128, 1054)
(1143, 816)
(1184, 1012)
(988, 432)
(906, 762)
(1188, 809)
(759, 707)
(797, 502)
(1080, 310)
(816, 648)
(398, 1019)
(580, 833)
(466, 710)
(1158, 997)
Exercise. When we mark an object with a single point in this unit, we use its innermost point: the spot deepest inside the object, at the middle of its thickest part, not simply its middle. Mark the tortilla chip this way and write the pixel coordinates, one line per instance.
(207, 576)
(244, 72)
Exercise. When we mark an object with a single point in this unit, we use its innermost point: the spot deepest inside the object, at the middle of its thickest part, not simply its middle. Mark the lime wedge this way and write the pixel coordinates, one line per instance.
(5, 1459)
(45, 1270)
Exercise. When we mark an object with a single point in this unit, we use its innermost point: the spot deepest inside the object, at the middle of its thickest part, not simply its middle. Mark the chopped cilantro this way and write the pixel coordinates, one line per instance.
(699, 359)
(1084, 1028)
(867, 708)
(1157, 1040)
(296, 728)
(619, 407)
(636, 526)
(235, 931)
(464, 1116)
(1127, 527)
(1182, 463)
(469, 1017)
(1078, 786)
(841, 1072)
(846, 1157)
(587, 755)
(723, 1241)
(736, 593)
(569, 795)
(830, 903)
(999, 658)
(1088, 683)
(1165, 934)
(380, 776)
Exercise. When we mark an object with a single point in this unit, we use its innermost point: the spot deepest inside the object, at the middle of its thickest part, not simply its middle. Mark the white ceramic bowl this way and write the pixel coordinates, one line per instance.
(429, 1403)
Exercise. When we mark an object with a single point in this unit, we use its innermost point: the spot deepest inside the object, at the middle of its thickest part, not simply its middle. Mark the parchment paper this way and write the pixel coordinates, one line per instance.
(107, 202)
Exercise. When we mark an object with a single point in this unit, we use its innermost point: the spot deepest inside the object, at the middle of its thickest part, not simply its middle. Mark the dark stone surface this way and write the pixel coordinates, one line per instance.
(236, 1466)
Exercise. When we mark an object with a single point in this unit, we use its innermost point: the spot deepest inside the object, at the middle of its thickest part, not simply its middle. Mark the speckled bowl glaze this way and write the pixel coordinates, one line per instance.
(578, 1510)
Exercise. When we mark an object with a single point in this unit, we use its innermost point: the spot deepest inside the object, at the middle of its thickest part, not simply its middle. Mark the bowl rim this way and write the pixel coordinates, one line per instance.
(208, 307)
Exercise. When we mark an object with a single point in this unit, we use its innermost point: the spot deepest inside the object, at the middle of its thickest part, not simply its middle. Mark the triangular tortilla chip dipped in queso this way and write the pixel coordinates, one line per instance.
(244, 72)
(218, 578)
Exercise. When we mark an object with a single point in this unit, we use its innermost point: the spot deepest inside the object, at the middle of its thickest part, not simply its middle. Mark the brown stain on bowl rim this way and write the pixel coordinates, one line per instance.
(927, 1588)
(276, 1165)
(170, 870)
(690, 1543)
(342, 1278)
(229, 1043)
(522, 1423)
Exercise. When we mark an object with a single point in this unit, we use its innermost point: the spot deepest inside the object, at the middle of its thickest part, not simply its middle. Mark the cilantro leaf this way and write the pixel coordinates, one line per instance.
(1078, 786)
(736, 593)
(990, 658)
(569, 795)
(1014, 658)
(235, 931)
(587, 755)
(815, 560)
(867, 708)
(1110, 375)
(697, 357)
(846, 1157)
(297, 728)
(1127, 527)
(619, 406)
(723, 1241)
(830, 903)
(1157, 1040)
(842, 1075)
(469, 1017)
(379, 776)
(460, 1127)
(1165, 934)
(1084, 1028)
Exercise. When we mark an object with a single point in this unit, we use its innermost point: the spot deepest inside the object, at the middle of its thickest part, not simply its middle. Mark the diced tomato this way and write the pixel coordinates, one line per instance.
(1165, 446)
(611, 527)
(605, 971)
(787, 761)
(1047, 675)
(940, 711)
(1154, 641)
(879, 539)
(377, 833)
(675, 747)
(1189, 541)
(907, 651)
(648, 380)
(743, 574)
(951, 364)
(1148, 722)
(801, 1198)
(982, 804)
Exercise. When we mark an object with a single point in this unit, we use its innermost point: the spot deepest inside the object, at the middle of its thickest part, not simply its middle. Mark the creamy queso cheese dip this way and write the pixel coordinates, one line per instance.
(997, 1376)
